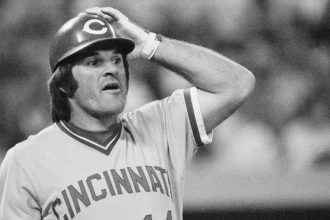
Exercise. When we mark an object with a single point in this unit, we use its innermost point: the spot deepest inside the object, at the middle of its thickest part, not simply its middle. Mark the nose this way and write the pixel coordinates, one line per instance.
(110, 69)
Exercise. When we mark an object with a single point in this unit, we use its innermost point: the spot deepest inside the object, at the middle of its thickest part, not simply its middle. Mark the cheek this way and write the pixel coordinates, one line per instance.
(85, 89)
(88, 96)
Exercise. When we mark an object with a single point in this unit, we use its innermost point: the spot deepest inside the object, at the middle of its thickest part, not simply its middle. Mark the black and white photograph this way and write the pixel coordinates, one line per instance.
(165, 110)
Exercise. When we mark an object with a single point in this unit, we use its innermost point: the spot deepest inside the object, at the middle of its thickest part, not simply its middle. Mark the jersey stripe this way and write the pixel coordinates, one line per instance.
(196, 118)
(192, 118)
(206, 138)
(103, 149)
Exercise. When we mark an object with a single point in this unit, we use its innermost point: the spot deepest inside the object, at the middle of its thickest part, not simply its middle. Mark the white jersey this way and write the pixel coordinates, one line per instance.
(138, 174)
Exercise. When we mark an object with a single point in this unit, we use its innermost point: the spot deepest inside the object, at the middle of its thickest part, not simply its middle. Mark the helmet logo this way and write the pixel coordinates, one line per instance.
(88, 29)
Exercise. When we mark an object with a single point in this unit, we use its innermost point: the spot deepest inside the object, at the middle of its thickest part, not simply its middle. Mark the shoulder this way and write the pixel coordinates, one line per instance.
(35, 143)
(155, 115)
(157, 106)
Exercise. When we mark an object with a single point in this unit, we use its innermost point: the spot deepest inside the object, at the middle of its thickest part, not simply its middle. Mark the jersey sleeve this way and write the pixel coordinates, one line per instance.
(17, 197)
(173, 125)
(195, 118)
(184, 127)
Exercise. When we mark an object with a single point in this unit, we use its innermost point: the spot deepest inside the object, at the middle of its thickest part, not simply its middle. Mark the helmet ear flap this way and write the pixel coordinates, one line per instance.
(81, 32)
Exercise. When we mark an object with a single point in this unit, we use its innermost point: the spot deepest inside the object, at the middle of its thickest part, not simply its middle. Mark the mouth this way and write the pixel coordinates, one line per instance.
(111, 87)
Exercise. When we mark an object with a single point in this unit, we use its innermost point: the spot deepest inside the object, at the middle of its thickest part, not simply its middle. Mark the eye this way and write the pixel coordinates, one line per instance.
(93, 62)
(116, 60)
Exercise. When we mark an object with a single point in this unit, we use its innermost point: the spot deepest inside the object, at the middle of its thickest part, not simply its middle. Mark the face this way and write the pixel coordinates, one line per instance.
(102, 84)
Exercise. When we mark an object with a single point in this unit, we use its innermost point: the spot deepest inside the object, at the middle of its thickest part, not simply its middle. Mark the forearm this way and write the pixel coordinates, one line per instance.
(223, 84)
(204, 68)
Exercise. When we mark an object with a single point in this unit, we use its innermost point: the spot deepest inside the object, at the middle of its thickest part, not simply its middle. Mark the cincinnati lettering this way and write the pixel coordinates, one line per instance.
(151, 179)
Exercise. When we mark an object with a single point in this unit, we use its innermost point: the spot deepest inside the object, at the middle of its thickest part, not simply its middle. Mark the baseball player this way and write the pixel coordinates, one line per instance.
(96, 163)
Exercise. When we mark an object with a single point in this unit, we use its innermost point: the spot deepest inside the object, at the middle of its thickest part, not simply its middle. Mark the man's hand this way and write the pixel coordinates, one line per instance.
(124, 27)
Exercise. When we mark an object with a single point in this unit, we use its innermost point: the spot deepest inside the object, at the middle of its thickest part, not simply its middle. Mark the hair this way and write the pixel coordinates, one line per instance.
(62, 86)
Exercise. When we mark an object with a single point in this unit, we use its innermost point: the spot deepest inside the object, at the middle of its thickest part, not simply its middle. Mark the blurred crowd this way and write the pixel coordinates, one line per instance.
(284, 126)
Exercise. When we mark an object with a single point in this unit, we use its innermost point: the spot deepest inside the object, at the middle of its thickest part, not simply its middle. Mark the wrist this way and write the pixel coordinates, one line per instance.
(150, 46)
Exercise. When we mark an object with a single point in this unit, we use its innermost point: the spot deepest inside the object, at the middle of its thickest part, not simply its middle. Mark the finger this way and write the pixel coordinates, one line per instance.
(107, 17)
(94, 10)
(114, 13)
(84, 13)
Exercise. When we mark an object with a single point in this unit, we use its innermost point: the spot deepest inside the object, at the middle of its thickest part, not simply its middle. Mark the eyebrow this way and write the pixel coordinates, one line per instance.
(90, 53)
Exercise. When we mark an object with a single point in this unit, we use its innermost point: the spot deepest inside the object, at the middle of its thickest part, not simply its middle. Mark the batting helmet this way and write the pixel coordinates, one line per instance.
(81, 32)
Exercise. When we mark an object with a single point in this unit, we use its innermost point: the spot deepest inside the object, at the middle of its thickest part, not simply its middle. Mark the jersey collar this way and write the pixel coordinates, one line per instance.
(104, 148)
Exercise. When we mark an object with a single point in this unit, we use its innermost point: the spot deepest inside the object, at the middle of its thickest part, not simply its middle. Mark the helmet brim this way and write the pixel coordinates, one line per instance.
(123, 44)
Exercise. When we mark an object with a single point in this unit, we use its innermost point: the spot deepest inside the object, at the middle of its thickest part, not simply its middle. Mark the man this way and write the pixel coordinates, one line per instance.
(93, 162)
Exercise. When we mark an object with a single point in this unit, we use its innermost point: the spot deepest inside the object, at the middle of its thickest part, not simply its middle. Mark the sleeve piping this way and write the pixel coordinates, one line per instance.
(206, 138)
(195, 118)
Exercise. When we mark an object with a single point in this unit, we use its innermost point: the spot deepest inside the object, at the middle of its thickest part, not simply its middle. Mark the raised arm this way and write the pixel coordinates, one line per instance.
(223, 85)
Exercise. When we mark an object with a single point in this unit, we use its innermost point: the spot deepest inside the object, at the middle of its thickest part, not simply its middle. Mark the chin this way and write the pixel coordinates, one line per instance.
(113, 110)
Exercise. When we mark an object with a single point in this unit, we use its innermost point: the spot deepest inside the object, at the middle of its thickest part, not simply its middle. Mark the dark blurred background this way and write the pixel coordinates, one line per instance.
(270, 160)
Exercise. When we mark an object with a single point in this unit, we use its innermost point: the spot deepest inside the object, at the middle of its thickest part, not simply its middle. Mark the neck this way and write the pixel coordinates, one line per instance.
(91, 123)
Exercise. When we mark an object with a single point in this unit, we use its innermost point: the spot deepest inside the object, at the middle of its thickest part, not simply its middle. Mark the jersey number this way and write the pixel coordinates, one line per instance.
(168, 216)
